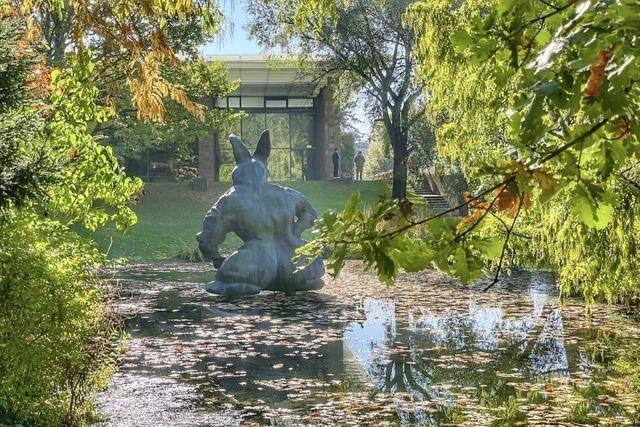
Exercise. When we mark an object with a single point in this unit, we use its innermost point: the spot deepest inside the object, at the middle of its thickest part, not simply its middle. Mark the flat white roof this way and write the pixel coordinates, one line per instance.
(271, 75)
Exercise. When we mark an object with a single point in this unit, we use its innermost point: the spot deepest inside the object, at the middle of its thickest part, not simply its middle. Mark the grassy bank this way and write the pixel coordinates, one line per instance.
(170, 214)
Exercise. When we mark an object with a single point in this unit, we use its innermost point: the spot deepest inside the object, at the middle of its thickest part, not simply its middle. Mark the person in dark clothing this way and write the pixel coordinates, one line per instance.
(335, 158)
(359, 162)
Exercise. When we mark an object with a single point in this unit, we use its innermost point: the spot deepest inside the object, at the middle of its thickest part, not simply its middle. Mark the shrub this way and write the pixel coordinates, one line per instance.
(58, 340)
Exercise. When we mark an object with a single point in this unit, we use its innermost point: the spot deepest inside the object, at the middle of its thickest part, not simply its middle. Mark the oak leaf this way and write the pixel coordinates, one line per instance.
(478, 210)
(622, 128)
(597, 76)
(509, 201)
(544, 180)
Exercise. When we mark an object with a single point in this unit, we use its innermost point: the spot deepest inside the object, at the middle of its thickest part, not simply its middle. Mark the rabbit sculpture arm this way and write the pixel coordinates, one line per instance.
(305, 213)
(215, 227)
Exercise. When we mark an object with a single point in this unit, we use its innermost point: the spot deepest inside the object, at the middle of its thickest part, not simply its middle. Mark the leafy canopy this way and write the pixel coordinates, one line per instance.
(540, 102)
(137, 30)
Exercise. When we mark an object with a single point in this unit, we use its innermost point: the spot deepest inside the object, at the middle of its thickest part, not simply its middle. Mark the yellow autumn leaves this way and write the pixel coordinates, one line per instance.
(136, 29)
(149, 90)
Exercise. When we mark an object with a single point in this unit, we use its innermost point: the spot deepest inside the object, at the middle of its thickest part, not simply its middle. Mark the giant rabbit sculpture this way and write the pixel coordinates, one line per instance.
(269, 219)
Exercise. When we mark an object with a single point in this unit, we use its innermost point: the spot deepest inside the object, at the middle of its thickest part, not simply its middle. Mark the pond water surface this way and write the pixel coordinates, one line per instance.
(427, 351)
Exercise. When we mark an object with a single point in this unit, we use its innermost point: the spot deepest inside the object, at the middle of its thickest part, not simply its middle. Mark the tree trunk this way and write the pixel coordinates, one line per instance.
(57, 29)
(399, 142)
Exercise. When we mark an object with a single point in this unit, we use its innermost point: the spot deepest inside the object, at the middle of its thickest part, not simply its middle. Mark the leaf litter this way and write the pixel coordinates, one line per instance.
(427, 351)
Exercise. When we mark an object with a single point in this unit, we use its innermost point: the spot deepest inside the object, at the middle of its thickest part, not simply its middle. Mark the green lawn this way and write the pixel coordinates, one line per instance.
(170, 214)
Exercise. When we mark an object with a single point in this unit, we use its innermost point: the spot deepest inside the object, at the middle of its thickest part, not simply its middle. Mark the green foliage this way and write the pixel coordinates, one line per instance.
(190, 254)
(540, 104)
(571, 106)
(94, 190)
(422, 148)
(462, 107)
(348, 152)
(600, 264)
(57, 339)
(379, 236)
(510, 415)
(627, 366)
(450, 415)
(24, 169)
(378, 158)
(180, 130)
(14, 68)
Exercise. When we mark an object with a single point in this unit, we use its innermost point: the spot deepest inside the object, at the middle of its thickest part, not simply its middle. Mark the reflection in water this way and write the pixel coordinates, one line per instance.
(549, 353)
(360, 353)
(537, 335)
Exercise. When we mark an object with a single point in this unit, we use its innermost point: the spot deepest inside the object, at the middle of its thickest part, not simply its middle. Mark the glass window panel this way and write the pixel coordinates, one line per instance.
(278, 165)
(223, 137)
(298, 165)
(276, 103)
(278, 125)
(252, 102)
(312, 168)
(252, 127)
(234, 102)
(300, 102)
(301, 130)
(226, 165)
(221, 102)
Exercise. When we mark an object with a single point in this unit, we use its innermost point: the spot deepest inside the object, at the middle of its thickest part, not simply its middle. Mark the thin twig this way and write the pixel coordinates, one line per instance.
(484, 214)
(553, 6)
(441, 214)
(577, 140)
(504, 247)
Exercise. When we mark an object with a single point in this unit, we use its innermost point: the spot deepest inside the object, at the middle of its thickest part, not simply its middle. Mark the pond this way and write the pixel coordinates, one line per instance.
(428, 351)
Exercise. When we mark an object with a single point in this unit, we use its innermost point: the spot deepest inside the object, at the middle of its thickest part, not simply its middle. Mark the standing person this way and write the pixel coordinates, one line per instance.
(359, 161)
(335, 158)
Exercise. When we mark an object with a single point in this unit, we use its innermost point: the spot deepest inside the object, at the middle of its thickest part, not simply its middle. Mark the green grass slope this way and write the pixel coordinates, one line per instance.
(170, 214)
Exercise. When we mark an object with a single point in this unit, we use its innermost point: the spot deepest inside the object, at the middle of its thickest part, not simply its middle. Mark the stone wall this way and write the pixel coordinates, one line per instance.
(327, 129)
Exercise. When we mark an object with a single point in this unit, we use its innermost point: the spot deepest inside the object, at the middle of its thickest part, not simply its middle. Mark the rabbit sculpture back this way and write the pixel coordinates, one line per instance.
(269, 219)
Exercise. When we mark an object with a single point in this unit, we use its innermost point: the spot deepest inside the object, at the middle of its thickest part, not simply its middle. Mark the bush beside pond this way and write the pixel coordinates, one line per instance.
(58, 340)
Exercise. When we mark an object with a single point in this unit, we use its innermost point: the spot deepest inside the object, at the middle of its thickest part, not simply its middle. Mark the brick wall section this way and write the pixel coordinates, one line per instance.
(206, 158)
(328, 130)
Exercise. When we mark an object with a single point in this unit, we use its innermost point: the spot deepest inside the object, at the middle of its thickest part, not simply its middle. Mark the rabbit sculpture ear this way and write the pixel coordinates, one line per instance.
(240, 151)
(264, 147)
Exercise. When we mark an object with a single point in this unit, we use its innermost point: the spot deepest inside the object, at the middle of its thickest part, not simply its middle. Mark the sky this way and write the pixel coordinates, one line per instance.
(235, 41)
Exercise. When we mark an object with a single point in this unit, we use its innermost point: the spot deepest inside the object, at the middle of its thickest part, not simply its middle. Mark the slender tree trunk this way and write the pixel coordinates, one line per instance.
(57, 31)
(399, 142)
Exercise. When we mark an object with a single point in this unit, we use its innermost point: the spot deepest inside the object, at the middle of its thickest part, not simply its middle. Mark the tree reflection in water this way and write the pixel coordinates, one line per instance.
(447, 355)
(423, 352)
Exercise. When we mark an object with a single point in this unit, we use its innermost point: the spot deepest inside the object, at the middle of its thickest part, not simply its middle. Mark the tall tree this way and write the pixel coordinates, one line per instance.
(539, 100)
(367, 44)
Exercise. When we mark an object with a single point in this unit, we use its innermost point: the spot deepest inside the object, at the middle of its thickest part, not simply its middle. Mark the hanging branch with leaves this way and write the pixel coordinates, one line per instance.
(571, 111)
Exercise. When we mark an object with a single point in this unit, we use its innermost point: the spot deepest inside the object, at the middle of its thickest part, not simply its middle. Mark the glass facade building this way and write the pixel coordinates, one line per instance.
(291, 122)
(297, 109)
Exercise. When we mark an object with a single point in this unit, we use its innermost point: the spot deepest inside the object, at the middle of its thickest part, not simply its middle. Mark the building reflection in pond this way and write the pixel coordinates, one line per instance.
(428, 351)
